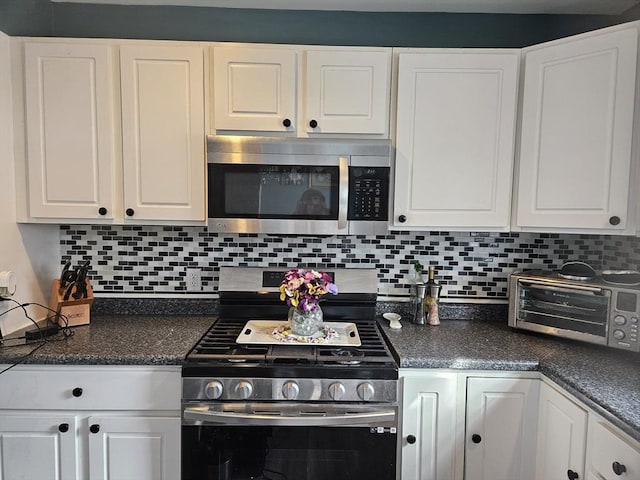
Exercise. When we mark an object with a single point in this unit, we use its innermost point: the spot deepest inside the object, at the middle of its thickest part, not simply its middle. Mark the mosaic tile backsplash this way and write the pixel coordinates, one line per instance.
(152, 260)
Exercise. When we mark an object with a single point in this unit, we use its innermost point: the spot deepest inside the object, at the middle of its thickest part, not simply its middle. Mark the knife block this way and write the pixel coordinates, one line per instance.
(77, 312)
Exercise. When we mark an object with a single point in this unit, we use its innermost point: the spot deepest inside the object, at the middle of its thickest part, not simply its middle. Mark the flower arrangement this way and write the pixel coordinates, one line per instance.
(302, 288)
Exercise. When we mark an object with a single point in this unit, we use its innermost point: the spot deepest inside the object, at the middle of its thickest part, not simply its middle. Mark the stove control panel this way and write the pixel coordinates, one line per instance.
(289, 389)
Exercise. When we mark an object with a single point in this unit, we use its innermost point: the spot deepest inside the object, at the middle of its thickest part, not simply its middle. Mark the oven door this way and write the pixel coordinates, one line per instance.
(301, 194)
(572, 311)
(288, 441)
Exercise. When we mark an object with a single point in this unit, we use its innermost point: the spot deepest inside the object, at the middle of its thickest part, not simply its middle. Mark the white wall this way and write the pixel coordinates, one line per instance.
(31, 251)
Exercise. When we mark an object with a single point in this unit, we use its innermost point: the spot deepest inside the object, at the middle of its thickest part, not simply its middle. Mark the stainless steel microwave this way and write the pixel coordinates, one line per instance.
(298, 186)
(592, 311)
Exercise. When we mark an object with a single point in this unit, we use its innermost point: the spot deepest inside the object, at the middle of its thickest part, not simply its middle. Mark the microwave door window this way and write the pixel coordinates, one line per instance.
(275, 192)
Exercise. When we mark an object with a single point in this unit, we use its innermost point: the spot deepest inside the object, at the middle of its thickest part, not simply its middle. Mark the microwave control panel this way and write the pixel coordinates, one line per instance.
(368, 193)
(623, 325)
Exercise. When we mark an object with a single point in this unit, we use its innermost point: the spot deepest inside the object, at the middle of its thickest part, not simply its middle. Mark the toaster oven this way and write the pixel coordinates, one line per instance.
(592, 311)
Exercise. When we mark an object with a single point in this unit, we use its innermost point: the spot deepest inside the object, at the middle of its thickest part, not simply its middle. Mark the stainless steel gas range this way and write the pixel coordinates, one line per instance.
(290, 411)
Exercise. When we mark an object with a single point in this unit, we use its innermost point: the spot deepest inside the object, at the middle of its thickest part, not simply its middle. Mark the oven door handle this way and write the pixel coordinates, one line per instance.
(562, 289)
(205, 415)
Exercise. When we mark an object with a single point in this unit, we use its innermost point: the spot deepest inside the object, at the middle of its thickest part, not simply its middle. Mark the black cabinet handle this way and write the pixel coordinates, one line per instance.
(402, 218)
(63, 427)
(95, 428)
(286, 122)
(102, 211)
(618, 468)
(129, 212)
(313, 124)
(571, 475)
(475, 438)
(76, 392)
(411, 439)
(615, 220)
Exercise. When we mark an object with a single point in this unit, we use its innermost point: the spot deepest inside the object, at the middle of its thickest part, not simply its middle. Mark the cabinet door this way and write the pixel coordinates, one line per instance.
(577, 122)
(455, 139)
(70, 130)
(609, 457)
(163, 132)
(347, 91)
(500, 438)
(38, 447)
(562, 436)
(428, 426)
(254, 89)
(134, 448)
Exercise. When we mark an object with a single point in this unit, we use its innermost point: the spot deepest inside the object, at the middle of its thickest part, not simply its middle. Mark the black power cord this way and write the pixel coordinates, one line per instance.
(40, 336)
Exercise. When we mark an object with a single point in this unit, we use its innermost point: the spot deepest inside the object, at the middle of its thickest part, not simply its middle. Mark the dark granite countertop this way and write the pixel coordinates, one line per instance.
(606, 380)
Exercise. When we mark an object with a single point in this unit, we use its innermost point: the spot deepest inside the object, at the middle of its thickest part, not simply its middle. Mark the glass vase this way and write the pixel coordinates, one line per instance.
(305, 323)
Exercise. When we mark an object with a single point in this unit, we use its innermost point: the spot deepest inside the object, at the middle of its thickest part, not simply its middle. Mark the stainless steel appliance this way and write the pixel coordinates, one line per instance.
(276, 411)
(298, 186)
(589, 310)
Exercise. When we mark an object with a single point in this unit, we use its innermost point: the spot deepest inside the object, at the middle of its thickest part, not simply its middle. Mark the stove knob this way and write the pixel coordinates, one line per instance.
(290, 390)
(213, 390)
(244, 389)
(618, 334)
(365, 391)
(337, 391)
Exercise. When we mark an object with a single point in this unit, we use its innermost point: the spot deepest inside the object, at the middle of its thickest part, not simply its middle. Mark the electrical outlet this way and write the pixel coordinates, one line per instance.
(194, 280)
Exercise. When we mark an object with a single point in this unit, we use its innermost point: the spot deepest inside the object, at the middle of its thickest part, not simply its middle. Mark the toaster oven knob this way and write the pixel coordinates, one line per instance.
(244, 390)
(365, 391)
(213, 390)
(619, 320)
(337, 391)
(290, 390)
(618, 334)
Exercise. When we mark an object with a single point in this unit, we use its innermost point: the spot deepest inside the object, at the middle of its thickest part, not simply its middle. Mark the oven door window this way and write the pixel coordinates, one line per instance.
(563, 308)
(273, 191)
(287, 453)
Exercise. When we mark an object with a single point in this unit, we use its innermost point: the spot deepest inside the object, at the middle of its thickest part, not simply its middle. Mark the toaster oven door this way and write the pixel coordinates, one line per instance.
(579, 312)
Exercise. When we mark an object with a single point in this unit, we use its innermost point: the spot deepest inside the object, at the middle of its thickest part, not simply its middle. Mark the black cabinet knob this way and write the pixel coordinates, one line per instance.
(286, 122)
(411, 439)
(618, 468)
(475, 438)
(102, 211)
(76, 392)
(571, 475)
(402, 218)
(129, 212)
(63, 427)
(95, 428)
(615, 220)
(313, 124)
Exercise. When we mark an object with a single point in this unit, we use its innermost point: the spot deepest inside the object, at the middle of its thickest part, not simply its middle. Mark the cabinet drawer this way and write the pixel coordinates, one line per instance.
(91, 388)
(605, 448)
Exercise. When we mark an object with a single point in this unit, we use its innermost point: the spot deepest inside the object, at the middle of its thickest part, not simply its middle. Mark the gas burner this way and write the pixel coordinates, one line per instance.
(348, 356)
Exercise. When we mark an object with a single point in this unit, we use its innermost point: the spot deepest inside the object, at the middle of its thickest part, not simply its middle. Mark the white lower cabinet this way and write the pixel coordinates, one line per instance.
(428, 444)
(39, 446)
(500, 436)
(98, 423)
(562, 429)
(609, 455)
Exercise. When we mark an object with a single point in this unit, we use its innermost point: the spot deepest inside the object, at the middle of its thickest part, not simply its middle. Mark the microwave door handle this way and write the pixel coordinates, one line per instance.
(546, 286)
(343, 186)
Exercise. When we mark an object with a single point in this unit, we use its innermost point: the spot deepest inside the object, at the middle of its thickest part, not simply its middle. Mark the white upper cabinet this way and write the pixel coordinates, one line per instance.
(347, 92)
(455, 136)
(163, 136)
(70, 130)
(255, 89)
(576, 133)
(301, 91)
